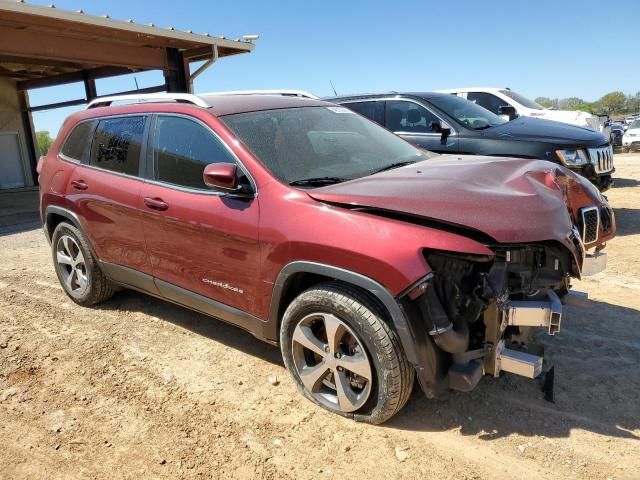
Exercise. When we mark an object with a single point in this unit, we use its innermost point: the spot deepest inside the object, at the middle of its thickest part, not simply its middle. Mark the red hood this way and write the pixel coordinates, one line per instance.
(511, 200)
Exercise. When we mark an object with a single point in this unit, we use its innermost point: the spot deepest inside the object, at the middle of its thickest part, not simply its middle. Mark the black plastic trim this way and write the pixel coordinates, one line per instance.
(128, 277)
(221, 311)
(398, 317)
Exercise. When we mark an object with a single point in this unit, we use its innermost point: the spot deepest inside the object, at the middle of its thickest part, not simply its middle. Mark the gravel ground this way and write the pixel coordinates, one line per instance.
(139, 388)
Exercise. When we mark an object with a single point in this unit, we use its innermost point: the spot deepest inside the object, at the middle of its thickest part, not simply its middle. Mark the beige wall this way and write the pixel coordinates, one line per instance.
(11, 121)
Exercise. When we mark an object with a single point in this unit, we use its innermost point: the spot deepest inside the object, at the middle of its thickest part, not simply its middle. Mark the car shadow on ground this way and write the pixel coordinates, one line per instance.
(625, 182)
(627, 221)
(216, 330)
(12, 228)
(597, 377)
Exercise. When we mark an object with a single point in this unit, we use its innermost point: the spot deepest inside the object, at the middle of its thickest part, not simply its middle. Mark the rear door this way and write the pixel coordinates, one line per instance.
(105, 189)
(198, 240)
(372, 109)
(412, 120)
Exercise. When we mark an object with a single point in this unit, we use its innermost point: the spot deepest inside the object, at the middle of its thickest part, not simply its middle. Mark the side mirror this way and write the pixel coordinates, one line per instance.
(221, 176)
(437, 127)
(224, 177)
(508, 111)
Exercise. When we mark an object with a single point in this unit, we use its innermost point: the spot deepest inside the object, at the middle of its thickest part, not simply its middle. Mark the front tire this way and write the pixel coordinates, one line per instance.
(77, 269)
(343, 355)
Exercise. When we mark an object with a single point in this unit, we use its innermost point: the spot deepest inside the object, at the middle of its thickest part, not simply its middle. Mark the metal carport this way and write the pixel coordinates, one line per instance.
(46, 46)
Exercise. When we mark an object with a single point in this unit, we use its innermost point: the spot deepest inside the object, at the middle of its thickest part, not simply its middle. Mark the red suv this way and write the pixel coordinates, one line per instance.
(367, 260)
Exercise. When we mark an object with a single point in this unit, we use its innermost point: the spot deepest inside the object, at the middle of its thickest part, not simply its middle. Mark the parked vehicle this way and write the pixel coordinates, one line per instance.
(366, 259)
(617, 131)
(629, 119)
(631, 138)
(493, 99)
(446, 123)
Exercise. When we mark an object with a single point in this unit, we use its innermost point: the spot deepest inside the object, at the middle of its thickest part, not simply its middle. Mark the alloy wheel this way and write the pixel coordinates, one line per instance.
(331, 362)
(71, 264)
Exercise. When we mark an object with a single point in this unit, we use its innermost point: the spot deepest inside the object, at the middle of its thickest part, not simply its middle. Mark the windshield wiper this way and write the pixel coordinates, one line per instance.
(394, 165)
(484, 127)
(316, 181)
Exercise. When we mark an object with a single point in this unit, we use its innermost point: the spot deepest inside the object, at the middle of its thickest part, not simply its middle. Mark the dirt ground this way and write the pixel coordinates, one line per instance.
(139, 388)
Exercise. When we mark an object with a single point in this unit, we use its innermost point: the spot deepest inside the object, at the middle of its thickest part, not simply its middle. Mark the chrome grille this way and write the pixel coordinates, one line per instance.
(602, 158)
(590, 224)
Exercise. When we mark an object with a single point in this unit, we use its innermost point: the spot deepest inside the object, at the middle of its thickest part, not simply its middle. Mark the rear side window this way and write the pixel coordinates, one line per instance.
(117, 143)
(181, 150)
(372, 110)
(78, 141)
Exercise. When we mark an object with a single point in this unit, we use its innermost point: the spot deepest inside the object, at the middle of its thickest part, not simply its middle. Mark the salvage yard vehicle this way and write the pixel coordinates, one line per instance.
(368, 261)
(446, 123)
(495, 99)
(631, 137)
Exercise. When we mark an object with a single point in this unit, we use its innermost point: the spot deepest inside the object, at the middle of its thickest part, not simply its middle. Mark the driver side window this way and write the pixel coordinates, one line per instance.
(487, 100)
(403, 116)
(181, 150)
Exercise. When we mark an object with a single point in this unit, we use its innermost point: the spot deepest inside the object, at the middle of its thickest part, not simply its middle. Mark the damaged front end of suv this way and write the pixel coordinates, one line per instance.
(481, 311)
(475, 315)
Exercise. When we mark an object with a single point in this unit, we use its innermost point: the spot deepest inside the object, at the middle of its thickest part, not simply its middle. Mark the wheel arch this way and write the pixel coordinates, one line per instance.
(297, 276)
(53, 216)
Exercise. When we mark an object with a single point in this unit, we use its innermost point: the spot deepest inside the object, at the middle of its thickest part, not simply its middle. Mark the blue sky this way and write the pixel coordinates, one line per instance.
(538, 48)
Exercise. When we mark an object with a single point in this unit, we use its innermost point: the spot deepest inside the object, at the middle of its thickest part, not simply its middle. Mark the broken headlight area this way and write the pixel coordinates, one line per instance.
(479, 312)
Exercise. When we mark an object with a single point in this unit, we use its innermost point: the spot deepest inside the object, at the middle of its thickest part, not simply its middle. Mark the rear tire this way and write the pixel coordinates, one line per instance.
(343, 355)
(77, 269)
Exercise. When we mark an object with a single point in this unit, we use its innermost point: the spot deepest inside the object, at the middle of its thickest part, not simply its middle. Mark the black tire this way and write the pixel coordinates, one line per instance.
(393, 377)
(96, 288)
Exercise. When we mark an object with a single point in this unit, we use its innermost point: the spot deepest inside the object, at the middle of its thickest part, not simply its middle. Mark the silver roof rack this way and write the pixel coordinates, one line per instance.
(148, 97)
(283, 92)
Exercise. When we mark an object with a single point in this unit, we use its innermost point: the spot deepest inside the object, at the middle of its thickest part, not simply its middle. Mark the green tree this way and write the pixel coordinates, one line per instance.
(613, 102)
(570, 103)
(44, 141)
(633, 103)
(546, 102)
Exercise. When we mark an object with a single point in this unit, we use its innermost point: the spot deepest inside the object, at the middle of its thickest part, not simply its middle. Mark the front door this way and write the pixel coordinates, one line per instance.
(412, 121)
(199, 240)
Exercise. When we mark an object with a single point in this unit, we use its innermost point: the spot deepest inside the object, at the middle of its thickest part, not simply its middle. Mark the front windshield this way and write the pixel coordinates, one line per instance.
(466, 112)
(522, 100)
(330, 143)
(635, 124)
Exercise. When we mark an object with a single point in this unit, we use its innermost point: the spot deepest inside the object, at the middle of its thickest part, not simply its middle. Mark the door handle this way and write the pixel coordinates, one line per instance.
(79, 184)
(155, 203)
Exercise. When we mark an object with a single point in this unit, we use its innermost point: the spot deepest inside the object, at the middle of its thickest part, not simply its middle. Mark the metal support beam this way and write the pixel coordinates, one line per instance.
(82, 101)
(203, 67)
(30, 140)
(89, 87)
(100, 72)
(177, 72)
(51, 106)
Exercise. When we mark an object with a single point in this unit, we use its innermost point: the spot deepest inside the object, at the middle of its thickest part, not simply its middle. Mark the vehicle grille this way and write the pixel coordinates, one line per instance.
(605, 218)
(590, 224)
(602, 159)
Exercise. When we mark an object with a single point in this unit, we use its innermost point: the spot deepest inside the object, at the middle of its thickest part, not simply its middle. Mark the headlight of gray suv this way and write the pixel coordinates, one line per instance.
(573, 158)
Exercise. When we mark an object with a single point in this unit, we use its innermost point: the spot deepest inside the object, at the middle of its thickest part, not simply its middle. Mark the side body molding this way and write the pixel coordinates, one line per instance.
(395, 310)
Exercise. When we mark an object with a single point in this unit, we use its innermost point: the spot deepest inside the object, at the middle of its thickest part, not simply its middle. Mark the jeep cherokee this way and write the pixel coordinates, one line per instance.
(368, 261)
